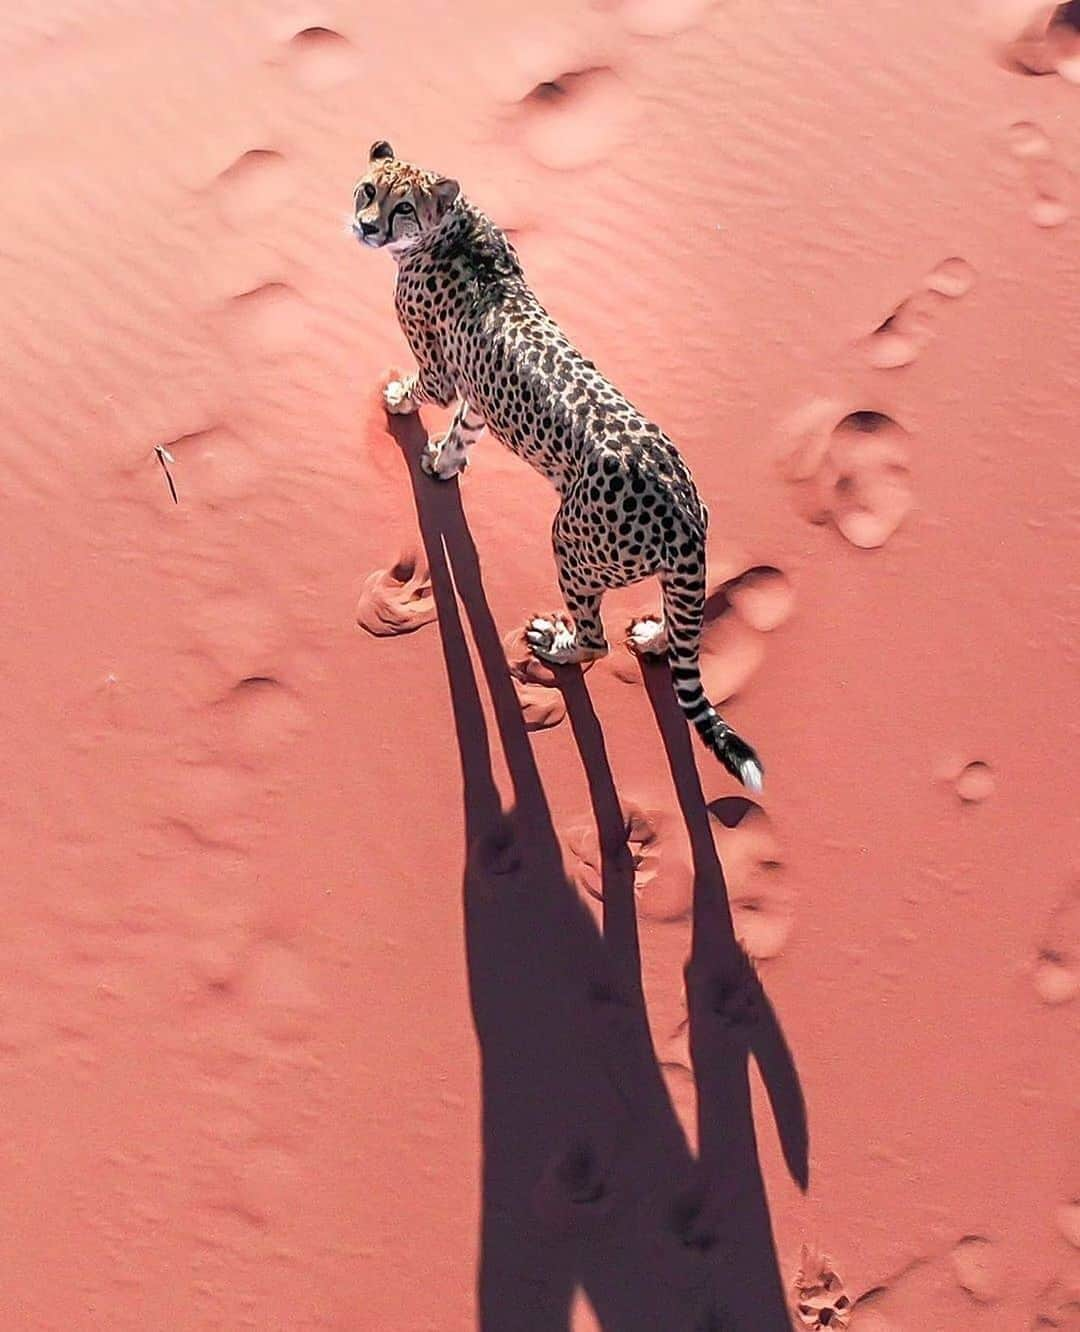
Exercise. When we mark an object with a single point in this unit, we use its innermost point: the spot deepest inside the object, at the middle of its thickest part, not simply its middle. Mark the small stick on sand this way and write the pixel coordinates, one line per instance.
(165, 457)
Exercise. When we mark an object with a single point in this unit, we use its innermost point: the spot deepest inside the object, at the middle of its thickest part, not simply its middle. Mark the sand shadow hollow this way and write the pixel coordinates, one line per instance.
(588, 1180)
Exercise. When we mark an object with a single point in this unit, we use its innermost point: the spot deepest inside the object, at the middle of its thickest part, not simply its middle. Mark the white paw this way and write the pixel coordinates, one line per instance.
(441, 462)
(552, 641)
(397, 400)
(647, 637)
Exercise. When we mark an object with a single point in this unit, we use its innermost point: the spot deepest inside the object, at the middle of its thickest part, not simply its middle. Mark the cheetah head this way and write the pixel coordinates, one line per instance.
(397, 203)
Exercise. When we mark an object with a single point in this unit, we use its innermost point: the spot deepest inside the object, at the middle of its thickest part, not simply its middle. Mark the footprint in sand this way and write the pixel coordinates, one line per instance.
(818, 1293)
(573, 1187)
(901, 338)
(1058, 1307)
(976, 1266)
(257, 182)
(1056, 974)
(663, 880)
(240, 637)
(213, 806)
(1046, 178)
(214, 467)
(396, 600)
(322, 58)
(497, 851)
(271, 317)
(739, 611)
(762, 597)
(853, 474)
(975, 783)
(1067, 1219)
(1048, 43)
(574, 119)
(257, 719)
(762, 903)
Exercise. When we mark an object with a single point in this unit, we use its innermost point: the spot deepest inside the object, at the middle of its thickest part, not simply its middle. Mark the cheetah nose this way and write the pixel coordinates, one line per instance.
(368, 228)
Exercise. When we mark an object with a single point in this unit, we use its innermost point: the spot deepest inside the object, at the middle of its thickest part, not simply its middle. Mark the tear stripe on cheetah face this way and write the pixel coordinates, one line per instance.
(629, 507)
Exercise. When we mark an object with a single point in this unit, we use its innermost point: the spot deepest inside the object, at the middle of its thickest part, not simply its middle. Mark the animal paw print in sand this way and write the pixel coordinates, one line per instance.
(1046, 178)
(1056, 974)
(663, 881)
(257, 718)
(573, 1187)
(496, 853)
(259, 181)
(901, 338)
(1048, 43)
(975, 783)
(739, 611)
(852, 473)
(272, 317)
(976, 1266)
(762, 904)
(321, 58)
(819, 1296)
(218, 467)
(397, 600)
(575, 118)
(1067, 1220)
(1058, 1308)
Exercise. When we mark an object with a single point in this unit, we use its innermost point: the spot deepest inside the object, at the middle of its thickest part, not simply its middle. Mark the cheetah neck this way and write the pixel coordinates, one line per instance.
(454, 226)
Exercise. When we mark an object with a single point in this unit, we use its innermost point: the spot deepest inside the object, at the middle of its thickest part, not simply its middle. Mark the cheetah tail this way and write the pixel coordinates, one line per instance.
(740, 759)
(684, 602)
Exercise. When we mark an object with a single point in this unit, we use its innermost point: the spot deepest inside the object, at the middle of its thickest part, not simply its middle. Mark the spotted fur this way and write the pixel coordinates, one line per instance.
(481, 339)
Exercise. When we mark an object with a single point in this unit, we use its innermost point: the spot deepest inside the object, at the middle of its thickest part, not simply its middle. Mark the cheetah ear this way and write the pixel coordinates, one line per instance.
(445, 192)
(379, 150)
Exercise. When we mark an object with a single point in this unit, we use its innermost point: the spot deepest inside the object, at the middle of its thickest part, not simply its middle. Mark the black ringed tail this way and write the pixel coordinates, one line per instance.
(684, 608)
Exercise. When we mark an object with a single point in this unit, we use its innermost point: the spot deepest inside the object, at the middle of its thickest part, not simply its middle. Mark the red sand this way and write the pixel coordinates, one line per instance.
(830, 249)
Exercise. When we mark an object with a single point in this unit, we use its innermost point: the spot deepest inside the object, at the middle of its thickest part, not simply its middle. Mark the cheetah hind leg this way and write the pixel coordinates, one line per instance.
(443, 457)
(647, 637)
(553, 640)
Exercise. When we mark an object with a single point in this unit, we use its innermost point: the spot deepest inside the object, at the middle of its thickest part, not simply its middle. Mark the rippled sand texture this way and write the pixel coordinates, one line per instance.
(834, 249)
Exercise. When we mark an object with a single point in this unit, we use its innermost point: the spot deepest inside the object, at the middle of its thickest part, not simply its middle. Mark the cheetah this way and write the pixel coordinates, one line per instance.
(629, 508)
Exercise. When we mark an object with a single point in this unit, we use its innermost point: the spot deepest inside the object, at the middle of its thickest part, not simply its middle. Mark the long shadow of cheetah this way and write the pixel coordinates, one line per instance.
(587, 1177)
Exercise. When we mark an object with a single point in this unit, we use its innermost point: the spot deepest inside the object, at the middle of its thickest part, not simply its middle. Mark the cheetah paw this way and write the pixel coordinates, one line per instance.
(647, 637)
(440, 462)
(396, 398)
(552, 640)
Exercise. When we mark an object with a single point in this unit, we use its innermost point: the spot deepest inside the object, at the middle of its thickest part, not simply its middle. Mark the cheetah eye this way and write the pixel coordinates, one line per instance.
(406, 208)
(366, 191)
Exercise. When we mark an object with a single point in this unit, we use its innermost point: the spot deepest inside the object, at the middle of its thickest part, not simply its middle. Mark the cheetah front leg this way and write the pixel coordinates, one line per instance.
(432, 382)
(405, 394)
(448, 455)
